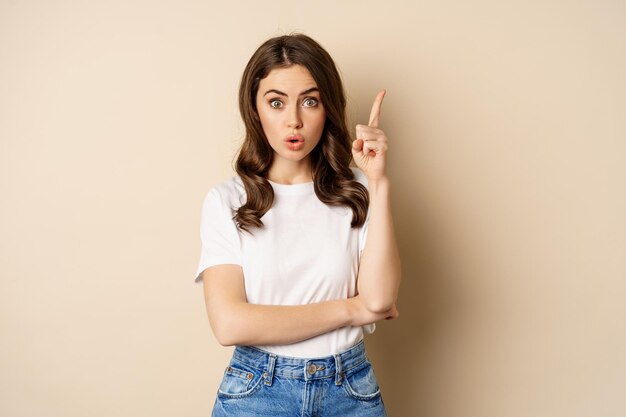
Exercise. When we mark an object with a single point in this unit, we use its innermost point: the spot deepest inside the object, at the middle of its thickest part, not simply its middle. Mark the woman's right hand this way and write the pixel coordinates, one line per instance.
(360, 315)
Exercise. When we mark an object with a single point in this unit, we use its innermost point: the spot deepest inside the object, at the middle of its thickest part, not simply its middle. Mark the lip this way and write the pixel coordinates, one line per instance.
(298, 138)
(294, 142)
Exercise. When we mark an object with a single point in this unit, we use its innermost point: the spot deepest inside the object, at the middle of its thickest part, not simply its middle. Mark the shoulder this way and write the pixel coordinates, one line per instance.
(229, 193)
(359, 175)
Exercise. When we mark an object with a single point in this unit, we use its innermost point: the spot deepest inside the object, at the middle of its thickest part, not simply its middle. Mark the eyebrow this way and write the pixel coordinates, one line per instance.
(310, 90)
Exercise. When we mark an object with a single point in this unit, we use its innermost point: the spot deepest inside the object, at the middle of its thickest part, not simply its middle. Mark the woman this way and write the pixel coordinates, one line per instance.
(298, 256)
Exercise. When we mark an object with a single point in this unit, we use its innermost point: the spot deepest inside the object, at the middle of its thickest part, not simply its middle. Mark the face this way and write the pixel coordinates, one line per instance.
(291, 114)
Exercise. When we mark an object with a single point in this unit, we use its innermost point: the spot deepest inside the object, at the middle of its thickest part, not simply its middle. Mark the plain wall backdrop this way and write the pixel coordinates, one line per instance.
(507, 132)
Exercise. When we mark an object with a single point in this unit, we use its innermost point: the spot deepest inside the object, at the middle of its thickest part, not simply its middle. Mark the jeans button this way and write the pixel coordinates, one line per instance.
(311, 369)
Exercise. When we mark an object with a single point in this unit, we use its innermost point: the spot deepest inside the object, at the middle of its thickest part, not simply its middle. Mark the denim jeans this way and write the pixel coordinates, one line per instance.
(258, 383)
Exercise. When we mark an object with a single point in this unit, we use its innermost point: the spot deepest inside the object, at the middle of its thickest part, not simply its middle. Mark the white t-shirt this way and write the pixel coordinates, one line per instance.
(305, 253)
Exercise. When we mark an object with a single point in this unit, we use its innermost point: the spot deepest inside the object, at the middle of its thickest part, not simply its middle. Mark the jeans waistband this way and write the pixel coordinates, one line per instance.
(301, 368)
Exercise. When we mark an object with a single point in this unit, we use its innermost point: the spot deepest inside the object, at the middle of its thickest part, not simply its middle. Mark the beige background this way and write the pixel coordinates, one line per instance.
(508, 159)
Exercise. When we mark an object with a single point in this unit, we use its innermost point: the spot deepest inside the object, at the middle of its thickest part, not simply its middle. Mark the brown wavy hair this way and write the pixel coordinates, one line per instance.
(333, 180)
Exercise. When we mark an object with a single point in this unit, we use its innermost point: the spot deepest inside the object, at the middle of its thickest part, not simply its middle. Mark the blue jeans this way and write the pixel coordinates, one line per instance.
(258, 383)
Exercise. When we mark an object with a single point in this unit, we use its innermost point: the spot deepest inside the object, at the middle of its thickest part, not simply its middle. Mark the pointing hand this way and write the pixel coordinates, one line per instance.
(370, 147)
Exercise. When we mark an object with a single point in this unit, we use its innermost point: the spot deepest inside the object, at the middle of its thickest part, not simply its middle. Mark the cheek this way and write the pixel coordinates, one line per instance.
(315, 119)
(320, 121)
(267, 120)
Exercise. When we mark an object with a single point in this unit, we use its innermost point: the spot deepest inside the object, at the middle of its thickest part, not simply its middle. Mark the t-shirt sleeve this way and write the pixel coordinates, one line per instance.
(360, 177)
(218, 234)
(363, 234)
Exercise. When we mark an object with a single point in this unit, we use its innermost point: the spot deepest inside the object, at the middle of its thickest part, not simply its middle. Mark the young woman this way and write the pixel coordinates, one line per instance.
(299, 256)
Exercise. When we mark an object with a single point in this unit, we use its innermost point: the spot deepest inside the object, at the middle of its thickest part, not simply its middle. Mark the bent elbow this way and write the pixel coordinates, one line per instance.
(379, 305)
(224, 333)
(225, 339)
(226, 336)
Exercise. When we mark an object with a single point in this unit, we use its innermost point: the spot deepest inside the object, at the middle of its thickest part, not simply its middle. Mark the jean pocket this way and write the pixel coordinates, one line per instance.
(361, 383)
(239, 381)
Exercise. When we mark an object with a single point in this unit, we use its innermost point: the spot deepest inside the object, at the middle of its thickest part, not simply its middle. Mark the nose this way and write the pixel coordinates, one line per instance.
(294, 121)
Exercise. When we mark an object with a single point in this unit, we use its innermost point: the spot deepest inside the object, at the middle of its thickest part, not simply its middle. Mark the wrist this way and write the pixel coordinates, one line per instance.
(350, 311)
(378, 184)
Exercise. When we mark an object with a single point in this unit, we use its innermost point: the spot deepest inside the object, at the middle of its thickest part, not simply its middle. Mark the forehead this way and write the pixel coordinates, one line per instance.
(291, 79)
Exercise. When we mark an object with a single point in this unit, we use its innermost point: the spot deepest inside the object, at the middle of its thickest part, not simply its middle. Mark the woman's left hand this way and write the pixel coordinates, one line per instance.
(370, 147)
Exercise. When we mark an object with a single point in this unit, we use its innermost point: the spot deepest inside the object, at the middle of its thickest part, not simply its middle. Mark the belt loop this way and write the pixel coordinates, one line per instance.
(338, 370)
(269, 373)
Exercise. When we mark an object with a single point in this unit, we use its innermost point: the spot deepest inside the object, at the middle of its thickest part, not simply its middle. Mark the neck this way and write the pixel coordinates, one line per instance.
(290, 172)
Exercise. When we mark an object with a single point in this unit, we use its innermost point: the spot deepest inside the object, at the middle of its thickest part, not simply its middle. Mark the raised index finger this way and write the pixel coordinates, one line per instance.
(375, 113)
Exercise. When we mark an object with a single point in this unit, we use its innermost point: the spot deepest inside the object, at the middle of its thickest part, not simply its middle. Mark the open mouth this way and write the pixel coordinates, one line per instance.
(294, 138)
(295, 142)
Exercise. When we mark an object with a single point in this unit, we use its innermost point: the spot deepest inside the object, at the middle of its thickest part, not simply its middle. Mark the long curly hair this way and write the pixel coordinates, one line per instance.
(334, 181)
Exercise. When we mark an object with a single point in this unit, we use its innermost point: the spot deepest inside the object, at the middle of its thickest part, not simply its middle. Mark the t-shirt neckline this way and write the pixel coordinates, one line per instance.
(292, 189)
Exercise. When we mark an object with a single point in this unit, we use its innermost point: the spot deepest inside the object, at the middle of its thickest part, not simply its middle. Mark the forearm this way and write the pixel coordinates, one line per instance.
(379, 268)
(242, 323)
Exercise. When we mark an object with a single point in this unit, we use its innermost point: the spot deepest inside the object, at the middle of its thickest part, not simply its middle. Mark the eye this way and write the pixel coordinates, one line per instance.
(310, 102)
(276, 103)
